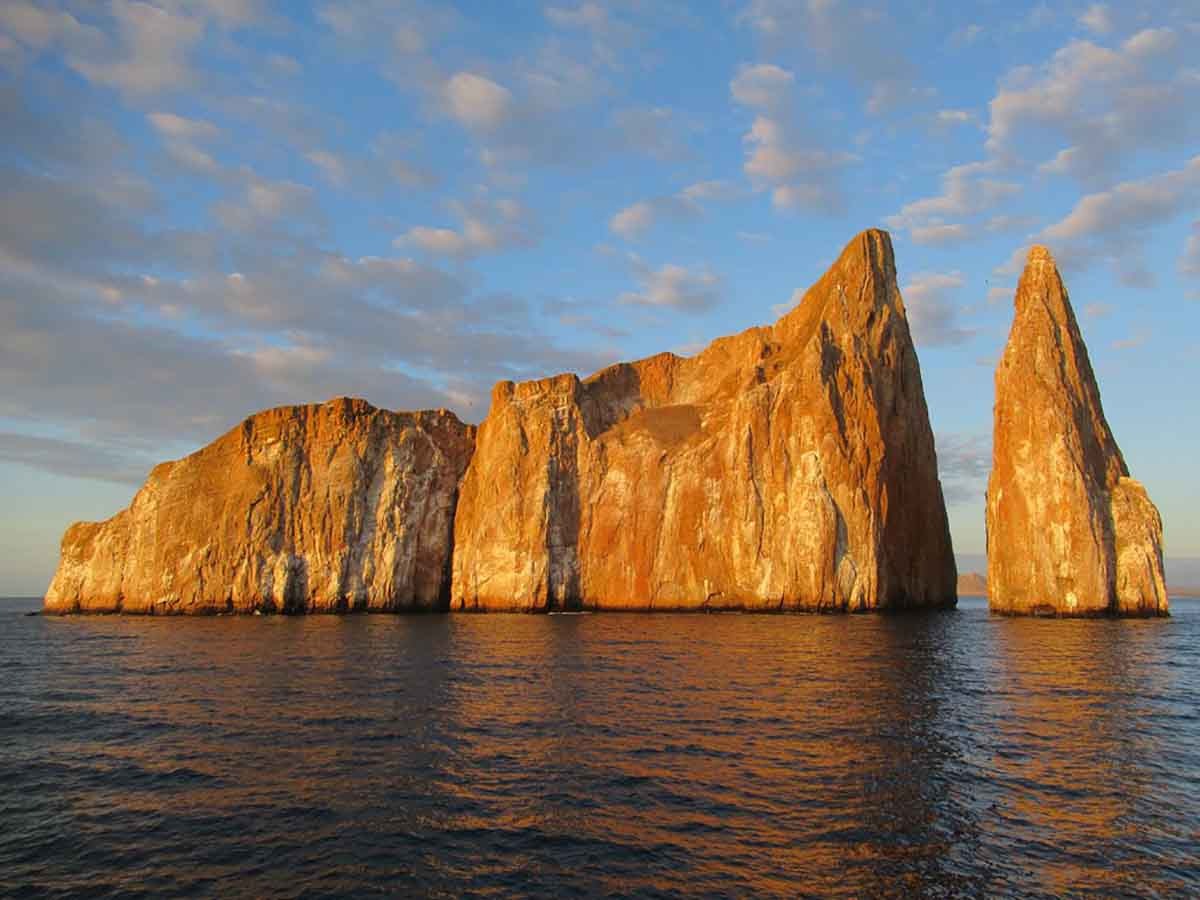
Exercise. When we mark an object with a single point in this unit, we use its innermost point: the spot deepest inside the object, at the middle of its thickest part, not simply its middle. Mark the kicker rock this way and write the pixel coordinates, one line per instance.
(329, 507)
(1069, 533)
(786, 467)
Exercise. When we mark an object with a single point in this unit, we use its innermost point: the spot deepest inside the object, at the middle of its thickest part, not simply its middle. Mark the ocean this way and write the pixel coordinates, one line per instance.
(932, 755)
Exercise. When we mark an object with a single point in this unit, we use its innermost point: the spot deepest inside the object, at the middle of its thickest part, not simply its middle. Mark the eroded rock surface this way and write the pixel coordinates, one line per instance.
(326, 507)
(1068, 531)
(786, 467)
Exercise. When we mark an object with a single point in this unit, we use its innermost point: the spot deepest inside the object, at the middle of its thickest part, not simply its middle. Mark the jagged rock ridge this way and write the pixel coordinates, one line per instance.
(786, 467)
(1068, 531)
(328, 507)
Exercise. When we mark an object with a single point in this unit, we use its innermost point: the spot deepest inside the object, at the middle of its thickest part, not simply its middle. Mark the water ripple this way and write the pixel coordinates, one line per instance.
(947, 755)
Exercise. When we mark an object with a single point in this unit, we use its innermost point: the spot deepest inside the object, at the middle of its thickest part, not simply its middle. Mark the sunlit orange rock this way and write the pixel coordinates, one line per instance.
(1069, 533)
(302, 508)
(786, 467)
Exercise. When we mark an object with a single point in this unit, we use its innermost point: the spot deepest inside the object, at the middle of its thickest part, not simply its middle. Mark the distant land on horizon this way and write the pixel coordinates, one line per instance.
(1183, 575)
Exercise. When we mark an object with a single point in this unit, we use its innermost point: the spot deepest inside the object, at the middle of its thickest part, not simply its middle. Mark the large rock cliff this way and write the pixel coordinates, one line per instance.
(1068, 531)
(305, 508)
(786, 467)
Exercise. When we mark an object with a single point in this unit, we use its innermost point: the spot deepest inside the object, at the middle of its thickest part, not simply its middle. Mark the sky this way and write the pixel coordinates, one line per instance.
(211, 207)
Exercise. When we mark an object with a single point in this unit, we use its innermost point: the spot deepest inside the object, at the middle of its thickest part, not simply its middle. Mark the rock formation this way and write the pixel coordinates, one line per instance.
(786, 467)
(304, 508)
(972, 584)
(1069, 533)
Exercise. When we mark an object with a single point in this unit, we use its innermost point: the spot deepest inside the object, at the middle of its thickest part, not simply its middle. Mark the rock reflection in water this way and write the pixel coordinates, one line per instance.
(932, 755)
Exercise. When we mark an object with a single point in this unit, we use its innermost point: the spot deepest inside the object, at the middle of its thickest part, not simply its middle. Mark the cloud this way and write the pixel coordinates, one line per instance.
(967, 191)
(478, 102)
(932, 314)
(1000, 294)
(654, 131)
(1132, 342)
(847, 37)
(673, 287)
(966, 35)
(265, 202)
(1105, 104)
(1189, 262)
(763, 85)
(150, 53)
(126, 332)
(780, 154)
(1096, 19)
(939, 234)
(952, 117)
(180, 128)
(1112, 224)
(75, 459)
(181, 135)
(331, 166)
(964, 463)
(487, 226)
(1098, 310)
(639, 217)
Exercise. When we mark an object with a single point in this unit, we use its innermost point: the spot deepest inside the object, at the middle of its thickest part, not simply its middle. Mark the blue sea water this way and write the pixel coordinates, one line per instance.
(939, 755)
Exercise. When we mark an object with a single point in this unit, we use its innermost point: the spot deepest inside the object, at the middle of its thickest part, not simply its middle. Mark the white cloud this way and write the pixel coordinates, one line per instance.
(1096, 19)
(964, 462)
(939, 234)
(780, 155)
(264, 202)
(966, 35)
(1105, 104)
(192, 157)
(487, 226)
(932, 314)
(956, 117)
(586, 15)
(967, 191)
(151, 52)
(1112, 224)
(764, 85)
(673, 287)
(1189, 262)
(686, 204)
(1135, 340)
(177, 127)
(846, 36)
(655, 131)
(331, 166)
(477, 102)
(1000, 294)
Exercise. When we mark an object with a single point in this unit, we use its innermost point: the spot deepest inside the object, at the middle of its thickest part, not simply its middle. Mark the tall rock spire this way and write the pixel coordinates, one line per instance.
(1068, 531)
(786, 467)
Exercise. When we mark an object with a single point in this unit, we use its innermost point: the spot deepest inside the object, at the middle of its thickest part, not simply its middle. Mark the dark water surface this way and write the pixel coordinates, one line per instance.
(950, 754)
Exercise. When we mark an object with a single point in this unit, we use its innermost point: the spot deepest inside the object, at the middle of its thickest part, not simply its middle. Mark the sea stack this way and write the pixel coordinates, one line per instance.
(789, 467)
(1069, 533)
(331, 507)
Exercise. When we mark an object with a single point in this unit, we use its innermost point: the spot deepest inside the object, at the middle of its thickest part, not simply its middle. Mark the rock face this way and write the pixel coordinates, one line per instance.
(1069, 533)
(972, 584)
(787, 467)
(305, 508)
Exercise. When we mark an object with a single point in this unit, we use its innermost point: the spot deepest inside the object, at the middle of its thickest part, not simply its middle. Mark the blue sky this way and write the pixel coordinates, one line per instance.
(216, 206)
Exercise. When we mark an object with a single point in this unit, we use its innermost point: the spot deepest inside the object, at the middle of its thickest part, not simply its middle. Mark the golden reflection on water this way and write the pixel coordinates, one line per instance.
(929, 755)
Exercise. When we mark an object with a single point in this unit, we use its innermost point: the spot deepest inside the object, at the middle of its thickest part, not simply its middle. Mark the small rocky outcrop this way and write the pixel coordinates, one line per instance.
(330, 507)
(789, 467)
(972, 584)
(1069, 533)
